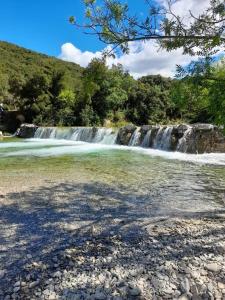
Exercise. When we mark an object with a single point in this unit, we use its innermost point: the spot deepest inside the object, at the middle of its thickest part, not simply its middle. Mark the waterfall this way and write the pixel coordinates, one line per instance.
(162, 140)
(135, 138)
(146, 141)
(166, 138)
(196, 138)
(45, 133)
(107, 136)
(157, 140)
(182, 143)
(84, 134)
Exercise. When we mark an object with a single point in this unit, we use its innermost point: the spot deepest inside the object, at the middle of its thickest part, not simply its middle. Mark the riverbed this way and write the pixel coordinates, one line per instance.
(61, 195)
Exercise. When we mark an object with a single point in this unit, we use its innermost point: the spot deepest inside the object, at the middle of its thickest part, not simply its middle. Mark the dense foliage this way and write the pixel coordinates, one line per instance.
(49, 91)
(199, 95)
(37, 84)
(114, 24)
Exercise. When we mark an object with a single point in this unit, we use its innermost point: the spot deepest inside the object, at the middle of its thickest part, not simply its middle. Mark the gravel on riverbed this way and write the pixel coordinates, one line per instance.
(72, 241)
(169, 259)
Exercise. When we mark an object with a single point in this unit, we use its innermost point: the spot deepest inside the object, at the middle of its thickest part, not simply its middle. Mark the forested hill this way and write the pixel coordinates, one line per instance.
(38, 85)
(49, 91)
(21, 62)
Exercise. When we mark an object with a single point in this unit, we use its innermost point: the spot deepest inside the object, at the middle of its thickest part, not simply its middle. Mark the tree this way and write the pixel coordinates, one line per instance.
(63, 98)
(36, 98)
(116, 98)
(216, 87)
(66, 101)
(149, 100)
(118, 85)
(95, 88)
(199, 94)
(115, 25)
(16, 84)
(191, 101)
(4, 87)
(87, 116)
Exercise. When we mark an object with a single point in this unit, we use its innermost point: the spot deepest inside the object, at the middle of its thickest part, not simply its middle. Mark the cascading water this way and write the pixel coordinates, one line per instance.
(157, 140)
(182, 144)
(146, 141)
(106, 136)
(84, 134)
(180, 138)
(45, 133)
(166, 138)
(135, 138)
(109, 137)
(196, 138)
(162, 140)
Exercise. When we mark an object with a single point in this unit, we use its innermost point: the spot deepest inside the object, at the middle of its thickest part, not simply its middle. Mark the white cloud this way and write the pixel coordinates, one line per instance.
(142, 60)
(144, 57)
(71, 53)
(183, 7)
(150, 60)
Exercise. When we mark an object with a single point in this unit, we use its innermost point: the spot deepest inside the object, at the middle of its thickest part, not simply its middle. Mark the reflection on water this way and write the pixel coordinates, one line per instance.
(170, 181)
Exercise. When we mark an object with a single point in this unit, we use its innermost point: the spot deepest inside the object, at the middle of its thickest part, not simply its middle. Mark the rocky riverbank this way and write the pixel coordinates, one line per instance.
(170, 259)
(73, 241)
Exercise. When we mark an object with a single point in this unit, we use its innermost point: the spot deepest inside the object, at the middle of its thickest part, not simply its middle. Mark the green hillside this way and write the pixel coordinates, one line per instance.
(21, 62)
(45, 89)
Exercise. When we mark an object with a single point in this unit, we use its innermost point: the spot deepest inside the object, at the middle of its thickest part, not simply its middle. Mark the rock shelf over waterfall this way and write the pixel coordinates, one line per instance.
(197, 138)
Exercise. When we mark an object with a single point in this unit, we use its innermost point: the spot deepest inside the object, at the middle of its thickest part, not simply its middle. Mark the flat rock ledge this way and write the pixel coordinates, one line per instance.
(197, 138)
(26, 131)
(174, 259)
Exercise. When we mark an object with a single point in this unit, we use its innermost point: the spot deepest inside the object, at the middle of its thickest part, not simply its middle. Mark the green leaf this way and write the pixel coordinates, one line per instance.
(72, 20)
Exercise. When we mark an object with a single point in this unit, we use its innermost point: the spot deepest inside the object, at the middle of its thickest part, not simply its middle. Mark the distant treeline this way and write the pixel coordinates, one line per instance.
(49, 91)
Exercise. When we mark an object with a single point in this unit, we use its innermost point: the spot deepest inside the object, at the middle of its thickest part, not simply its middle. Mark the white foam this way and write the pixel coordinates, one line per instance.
(57, 151)
(36, 142)
(207, 158)
(53, 147)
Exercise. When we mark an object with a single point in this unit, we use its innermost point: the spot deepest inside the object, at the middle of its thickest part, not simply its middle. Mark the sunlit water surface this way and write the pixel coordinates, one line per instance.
(169, 181)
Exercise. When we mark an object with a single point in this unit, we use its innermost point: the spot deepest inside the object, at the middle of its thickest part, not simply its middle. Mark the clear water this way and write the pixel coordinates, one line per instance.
(161, 182)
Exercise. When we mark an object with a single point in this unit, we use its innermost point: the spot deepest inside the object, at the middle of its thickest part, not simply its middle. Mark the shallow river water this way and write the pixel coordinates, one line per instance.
(165, 181)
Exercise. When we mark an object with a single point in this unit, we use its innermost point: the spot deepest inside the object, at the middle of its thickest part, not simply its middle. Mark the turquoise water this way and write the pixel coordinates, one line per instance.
(173, 181)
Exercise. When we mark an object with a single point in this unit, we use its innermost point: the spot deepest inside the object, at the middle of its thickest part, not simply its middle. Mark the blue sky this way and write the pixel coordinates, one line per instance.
(43, 25)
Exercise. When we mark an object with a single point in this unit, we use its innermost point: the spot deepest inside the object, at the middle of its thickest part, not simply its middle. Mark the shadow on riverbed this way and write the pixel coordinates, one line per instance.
(98, 219)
